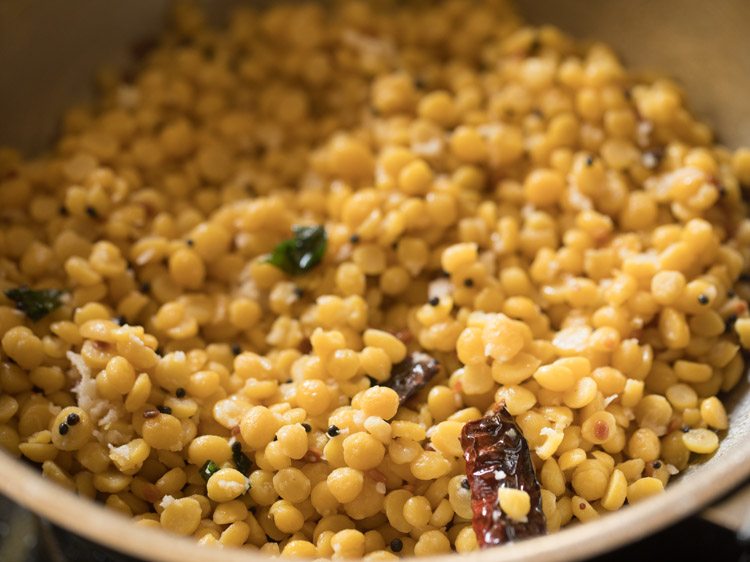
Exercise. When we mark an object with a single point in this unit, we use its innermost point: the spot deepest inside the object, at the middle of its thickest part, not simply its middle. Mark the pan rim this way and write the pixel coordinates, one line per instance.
(93, 521)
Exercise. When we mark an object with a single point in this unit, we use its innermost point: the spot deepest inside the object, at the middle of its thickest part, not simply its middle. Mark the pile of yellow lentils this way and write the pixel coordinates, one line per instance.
(561, 235)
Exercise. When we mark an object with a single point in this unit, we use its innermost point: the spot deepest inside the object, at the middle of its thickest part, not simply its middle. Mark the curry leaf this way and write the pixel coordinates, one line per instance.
(301, 253)
(35, 304)
(208, 469)
(241, 460)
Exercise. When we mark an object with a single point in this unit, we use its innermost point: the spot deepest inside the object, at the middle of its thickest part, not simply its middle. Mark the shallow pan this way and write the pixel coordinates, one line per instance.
(49, 51)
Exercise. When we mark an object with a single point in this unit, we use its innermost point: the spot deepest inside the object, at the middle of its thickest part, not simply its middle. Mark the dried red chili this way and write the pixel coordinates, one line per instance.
(497, 456)
(412, 374)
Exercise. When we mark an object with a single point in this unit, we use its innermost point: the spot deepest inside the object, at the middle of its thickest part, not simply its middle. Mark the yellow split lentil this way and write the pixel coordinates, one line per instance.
(561, 235)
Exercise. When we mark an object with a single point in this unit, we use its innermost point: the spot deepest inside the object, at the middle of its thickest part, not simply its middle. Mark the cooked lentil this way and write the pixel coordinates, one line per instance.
(557, 233)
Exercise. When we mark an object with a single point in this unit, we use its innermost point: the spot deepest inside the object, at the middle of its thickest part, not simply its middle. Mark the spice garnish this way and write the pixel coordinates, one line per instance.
(729, 323)
(497, 456)
(305, 346)
(652, 158)
(241, 461)
(36, 304)
(208, 468)
(412, 375)
(301, 253)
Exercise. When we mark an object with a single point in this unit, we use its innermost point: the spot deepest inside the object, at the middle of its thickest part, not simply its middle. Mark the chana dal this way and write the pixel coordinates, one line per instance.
(561, 235)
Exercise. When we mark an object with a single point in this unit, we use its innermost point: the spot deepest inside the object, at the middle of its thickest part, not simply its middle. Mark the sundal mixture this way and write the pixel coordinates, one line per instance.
(377, 279)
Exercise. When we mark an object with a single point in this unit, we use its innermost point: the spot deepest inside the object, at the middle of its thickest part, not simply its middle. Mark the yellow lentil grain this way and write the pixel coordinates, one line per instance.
(644, 444)
(582, 510)
(515, 503)
(181, 516)
(466, 541)
(430, 465)
(345, 483)
(258, 427)
(23, 346)
(701, 441)
(286, 517)
(417, 511)
(362, 451)
(555, 377)
(544, 187)
(348, 543)
(598, 427)
(616, 492)
(394, 347)
(163, 431)
(714, 414)
(644, 488)
(292, 484)
(299, 549)
(692, 372)
(226, 484)
(76, 435)
(432, 543)
(380, 401)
